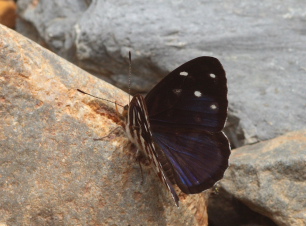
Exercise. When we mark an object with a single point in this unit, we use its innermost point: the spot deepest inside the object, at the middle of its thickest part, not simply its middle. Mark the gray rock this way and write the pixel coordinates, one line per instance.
(270, 179)
(260, 44)
(225, 209)
(50, 23)
(52, 172)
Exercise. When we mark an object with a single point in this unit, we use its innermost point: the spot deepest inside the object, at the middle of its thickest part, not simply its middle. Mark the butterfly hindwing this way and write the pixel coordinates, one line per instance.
(198, 159)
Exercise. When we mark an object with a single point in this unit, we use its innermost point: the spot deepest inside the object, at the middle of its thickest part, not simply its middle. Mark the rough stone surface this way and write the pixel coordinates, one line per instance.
(261, 44)
(225, 209)
(52, 172)
(269, 178)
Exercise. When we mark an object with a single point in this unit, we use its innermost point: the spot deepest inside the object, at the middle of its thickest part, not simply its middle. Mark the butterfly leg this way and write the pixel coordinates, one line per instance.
(139, 163)
(142, 160)
(116, 106)
(108, 135)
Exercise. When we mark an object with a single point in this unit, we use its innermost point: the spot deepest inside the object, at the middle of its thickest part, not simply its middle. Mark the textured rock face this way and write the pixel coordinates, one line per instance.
(52, 172)
(269, 178)
(261, 45)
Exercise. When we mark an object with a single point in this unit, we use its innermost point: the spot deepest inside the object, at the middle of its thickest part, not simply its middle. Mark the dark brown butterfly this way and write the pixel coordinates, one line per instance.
(178, 126)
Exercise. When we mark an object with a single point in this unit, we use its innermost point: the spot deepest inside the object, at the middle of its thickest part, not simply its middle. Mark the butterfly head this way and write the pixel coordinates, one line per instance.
(124, 114)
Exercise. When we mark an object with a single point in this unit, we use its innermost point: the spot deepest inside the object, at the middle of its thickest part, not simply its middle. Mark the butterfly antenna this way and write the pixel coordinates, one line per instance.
(130, 73)
(99, 98)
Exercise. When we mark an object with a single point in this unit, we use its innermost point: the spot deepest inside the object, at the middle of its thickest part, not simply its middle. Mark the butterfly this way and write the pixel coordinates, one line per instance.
(178, 126)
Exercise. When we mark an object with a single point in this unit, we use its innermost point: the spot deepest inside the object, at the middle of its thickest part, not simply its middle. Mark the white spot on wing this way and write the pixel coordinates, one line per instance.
(183, 73)
(212, 75)
(197, 93)
(213, 106)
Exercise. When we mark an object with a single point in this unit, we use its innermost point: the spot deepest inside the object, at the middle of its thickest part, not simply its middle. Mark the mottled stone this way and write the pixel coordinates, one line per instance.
(52, 172)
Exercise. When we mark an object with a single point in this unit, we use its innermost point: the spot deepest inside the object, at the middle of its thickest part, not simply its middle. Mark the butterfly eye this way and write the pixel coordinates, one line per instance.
(183, 73)
(212, 75)
(197, 93)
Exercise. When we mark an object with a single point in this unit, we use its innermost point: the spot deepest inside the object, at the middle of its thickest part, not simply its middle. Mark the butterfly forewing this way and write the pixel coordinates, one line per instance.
(192, 96)
(187, 111)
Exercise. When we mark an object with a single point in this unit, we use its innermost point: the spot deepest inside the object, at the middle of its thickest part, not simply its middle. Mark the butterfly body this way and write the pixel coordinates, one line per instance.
(138, 130)
(178, 126)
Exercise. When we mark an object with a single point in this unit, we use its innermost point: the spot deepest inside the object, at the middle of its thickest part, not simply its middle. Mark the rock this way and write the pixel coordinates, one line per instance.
(225, 209)
(52, 172)
(261, 46)
(269, 178)
(8, 13)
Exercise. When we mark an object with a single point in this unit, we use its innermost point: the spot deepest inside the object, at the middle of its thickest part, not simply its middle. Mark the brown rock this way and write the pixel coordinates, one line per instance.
(52, 172)
(8, 13)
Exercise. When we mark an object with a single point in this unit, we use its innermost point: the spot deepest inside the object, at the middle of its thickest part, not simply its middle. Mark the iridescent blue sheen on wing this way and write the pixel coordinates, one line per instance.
(199, 159)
